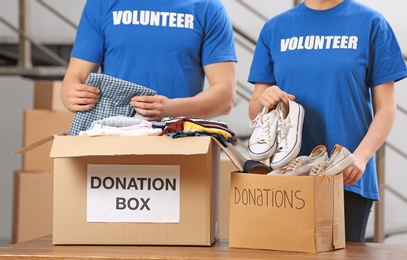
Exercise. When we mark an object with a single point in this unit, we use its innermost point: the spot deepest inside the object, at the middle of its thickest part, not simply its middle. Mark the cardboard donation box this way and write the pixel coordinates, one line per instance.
(33, 195)
(47, 95)
(150, 190)
(287, 213)
(38, 124)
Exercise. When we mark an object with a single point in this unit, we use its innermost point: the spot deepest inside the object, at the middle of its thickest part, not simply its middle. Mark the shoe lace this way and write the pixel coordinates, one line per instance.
(282, 132)
(294, 165)
(262, 121)
(255, 121)
(318, 170)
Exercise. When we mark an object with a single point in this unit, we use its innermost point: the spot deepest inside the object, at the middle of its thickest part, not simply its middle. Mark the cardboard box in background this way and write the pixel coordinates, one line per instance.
(38, 124)
(226, 168)
(198, 161)
(287, 213)
(33, 197)
(47, 95)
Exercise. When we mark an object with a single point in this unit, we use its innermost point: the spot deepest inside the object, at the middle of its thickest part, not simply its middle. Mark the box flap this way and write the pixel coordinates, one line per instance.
(78, 146)
(34, 145)
(234, 155)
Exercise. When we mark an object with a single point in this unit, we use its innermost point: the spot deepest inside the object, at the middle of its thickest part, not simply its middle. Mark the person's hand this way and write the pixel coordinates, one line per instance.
(151, 107)
(353, 173)
(81, 97)
(273, 95)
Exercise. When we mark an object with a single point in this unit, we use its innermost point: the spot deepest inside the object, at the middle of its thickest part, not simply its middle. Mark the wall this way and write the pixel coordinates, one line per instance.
(17, 92)
(46, 27)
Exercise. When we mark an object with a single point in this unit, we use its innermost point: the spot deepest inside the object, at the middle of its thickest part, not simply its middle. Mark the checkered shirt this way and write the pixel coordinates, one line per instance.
(115, 95)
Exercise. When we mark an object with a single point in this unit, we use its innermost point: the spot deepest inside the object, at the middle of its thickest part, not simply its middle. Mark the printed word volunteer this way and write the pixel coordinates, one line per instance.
(315, 42)
(152, 18)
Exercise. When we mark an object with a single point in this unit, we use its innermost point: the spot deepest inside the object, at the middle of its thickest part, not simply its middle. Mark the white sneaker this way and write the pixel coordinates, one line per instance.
(339, 160)
(263, 140)
(301, 165)
(290, 121)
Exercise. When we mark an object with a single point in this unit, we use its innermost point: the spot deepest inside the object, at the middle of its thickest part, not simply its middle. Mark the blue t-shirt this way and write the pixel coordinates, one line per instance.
(330, 60)
(160, 44)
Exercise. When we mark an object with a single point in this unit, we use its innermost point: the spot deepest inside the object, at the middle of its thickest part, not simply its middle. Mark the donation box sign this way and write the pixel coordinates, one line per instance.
(133, 193)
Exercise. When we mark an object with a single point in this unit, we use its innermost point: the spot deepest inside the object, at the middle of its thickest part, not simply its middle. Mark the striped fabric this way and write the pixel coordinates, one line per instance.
(115, 95)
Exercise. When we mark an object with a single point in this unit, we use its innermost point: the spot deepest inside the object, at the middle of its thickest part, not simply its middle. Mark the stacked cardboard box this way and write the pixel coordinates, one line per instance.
(33, 196)
(226, 168)
(33, 183)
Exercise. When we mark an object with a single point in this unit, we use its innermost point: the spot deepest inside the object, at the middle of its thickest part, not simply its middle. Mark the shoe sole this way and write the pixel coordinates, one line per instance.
(296, 149)
(263, 156)
(340, 167)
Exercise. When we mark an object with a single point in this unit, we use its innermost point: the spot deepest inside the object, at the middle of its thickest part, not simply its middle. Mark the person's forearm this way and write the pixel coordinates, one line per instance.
(77, 72)
(255, 106)
(376, 135)
(67, 81)
(384, 103)
(214, 101)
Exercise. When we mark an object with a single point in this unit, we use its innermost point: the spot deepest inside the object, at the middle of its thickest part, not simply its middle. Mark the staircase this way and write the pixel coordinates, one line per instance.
(28, 57)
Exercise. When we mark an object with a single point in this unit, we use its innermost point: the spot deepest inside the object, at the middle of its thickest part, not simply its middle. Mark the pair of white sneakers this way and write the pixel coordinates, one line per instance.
(277, 134)
(318, 163)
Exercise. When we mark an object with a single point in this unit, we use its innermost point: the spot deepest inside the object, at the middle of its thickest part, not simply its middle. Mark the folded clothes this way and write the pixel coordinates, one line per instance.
(169, 120)
(115, 95)
(189, 125)
(121, 126)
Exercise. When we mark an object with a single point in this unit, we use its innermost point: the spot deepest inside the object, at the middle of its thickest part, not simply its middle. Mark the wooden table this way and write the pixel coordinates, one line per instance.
(43, 248)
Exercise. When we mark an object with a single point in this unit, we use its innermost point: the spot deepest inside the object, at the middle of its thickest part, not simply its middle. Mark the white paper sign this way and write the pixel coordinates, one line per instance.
(133, 193)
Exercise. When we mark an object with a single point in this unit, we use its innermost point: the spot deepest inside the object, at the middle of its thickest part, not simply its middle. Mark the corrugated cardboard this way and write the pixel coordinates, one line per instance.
(33, 197)
(287, 213)
(198, 158)
(47, 95)
(226, 168)
(39, 124)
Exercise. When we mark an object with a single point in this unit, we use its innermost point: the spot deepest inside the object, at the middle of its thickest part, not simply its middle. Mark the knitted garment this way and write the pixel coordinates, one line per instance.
(115, 95)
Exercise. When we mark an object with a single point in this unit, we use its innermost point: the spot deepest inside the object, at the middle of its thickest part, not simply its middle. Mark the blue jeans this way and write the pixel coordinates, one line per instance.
(357, 211)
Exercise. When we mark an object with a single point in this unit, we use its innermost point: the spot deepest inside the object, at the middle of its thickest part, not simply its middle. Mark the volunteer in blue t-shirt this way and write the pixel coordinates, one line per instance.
(338, 59)
(166, 45)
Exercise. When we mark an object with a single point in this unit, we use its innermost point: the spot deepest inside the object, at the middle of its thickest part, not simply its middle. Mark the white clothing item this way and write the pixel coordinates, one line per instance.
(121, 126)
